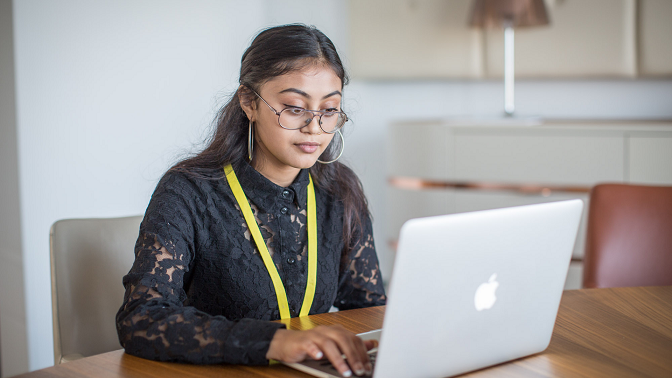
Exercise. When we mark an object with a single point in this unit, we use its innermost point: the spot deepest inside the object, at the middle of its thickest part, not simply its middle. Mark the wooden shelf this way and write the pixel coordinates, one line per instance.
(412, 183)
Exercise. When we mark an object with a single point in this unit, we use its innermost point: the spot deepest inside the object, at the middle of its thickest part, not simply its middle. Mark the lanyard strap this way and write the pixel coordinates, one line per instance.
(252, 225)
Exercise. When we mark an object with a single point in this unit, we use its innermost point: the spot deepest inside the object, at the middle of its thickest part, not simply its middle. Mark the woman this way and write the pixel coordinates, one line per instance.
(229, 235)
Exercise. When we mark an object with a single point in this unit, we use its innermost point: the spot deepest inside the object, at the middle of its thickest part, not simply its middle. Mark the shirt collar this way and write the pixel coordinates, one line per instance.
(267, 195)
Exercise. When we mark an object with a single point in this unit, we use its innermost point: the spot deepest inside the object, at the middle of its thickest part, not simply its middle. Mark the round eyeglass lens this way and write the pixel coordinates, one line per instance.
(294, 118)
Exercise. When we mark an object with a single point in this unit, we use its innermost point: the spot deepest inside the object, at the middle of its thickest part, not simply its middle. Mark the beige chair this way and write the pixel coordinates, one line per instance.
(89, 257)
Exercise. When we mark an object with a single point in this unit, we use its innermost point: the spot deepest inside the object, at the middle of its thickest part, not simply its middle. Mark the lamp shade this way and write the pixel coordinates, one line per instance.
(503, 13)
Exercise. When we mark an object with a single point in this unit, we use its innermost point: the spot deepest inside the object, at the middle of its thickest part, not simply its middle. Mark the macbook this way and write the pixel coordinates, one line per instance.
(472, 290)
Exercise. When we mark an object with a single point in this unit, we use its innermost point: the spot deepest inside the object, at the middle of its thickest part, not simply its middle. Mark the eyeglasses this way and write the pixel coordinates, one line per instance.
(293, 118)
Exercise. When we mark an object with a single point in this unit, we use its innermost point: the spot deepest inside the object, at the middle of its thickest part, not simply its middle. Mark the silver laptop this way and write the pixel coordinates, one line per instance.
(472, 290)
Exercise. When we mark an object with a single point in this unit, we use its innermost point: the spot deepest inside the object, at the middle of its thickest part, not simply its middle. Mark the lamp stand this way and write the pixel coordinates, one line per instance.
(508, 69)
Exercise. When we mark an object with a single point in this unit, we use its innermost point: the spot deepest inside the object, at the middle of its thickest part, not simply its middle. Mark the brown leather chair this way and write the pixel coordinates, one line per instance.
(629, 239)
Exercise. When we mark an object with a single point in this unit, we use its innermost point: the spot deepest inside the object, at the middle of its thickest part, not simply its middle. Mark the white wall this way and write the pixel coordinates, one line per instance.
(110, 93)
(13, 346)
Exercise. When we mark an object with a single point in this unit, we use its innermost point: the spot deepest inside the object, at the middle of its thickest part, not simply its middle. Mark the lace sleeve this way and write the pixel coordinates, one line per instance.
(153, 321)
(360, 281)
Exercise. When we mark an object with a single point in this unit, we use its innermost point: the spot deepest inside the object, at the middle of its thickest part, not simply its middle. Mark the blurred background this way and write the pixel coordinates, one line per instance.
(99, 98)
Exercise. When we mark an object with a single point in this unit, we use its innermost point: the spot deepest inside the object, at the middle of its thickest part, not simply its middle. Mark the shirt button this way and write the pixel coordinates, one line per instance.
(291, 260)
(286, 194)
(284, 210)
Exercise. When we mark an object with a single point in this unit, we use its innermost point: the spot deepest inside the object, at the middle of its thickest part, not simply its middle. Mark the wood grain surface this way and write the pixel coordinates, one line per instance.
(620, 332)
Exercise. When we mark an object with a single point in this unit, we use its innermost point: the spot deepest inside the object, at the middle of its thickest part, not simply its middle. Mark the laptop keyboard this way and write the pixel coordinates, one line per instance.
(372, 357)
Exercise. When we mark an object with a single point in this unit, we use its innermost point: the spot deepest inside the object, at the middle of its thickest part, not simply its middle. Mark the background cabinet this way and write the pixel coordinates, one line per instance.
(495, 166)
(421, 39)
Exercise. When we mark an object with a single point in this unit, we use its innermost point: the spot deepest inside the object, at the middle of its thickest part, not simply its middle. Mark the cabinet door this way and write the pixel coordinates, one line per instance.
(650, 160)
(655, 29)
(584, 38)
(410, 39)
(540, 156)
(574, 276)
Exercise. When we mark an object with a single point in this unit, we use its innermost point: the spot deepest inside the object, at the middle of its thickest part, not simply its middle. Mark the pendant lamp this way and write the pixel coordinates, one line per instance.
(508, 14)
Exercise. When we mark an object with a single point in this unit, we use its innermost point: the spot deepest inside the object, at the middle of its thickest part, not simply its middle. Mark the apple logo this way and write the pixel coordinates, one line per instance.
(485, 294)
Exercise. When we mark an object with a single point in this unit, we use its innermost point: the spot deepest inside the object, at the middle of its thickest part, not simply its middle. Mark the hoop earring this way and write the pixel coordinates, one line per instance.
(250, 142)
(339, 155)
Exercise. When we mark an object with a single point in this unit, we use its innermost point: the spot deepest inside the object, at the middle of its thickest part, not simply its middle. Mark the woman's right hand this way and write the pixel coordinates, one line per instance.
(330, 341)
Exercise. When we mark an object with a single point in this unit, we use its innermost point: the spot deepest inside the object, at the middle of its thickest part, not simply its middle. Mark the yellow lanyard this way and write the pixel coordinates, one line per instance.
(263, 250)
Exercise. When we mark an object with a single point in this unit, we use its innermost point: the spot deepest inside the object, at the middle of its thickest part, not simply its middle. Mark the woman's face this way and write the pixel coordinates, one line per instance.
(314, 87)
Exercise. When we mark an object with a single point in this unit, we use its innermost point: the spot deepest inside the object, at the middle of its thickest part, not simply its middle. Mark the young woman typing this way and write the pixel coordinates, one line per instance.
(263, 224)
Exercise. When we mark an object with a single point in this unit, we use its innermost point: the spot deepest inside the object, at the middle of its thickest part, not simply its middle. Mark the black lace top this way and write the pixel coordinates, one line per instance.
(199, 291)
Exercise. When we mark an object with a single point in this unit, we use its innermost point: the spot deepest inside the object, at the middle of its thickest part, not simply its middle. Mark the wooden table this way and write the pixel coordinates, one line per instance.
(622, 332)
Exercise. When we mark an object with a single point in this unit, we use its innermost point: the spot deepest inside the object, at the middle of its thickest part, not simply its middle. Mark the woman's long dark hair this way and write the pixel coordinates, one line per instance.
(277, 51)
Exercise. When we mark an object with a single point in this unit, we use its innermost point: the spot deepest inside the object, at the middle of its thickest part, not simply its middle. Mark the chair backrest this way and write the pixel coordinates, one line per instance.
(629, 236)
(89, 257)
